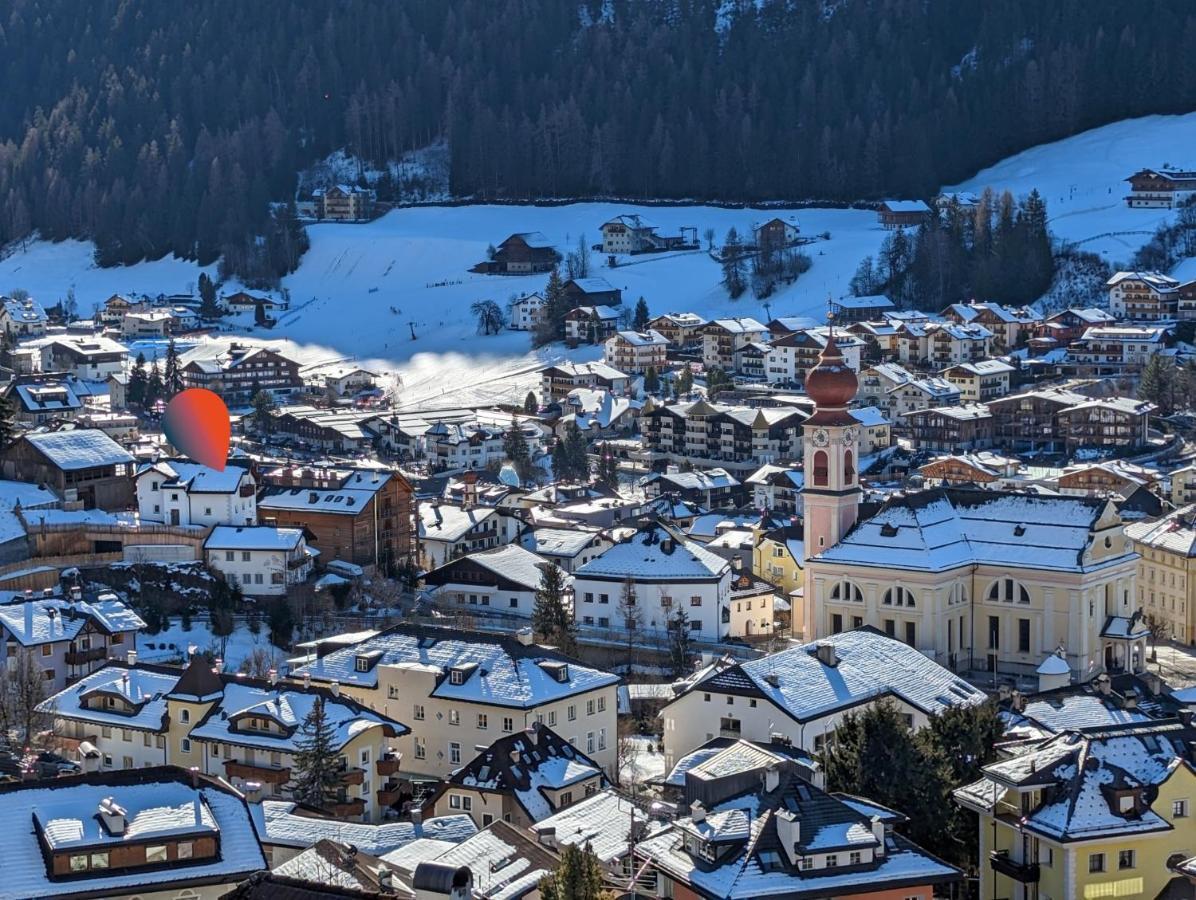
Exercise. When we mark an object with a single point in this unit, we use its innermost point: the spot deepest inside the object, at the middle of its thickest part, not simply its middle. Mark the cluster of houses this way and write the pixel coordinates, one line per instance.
(931, 510)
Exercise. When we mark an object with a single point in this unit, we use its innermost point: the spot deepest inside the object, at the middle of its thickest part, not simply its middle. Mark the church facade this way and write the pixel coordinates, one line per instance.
(974, 579)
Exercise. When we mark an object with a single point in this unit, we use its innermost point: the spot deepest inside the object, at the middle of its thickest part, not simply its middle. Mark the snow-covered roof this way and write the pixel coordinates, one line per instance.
(647, 338)
(869, 665)
(498, 672)
(526, 765)
(510, 561)
(534, 239)
(282, 823)
(905, 206)
(964, 413)
(51, 395)
(28, 312)
(593, 285)
(706, 480)
(943, 528)
(83, 448)
(1175, 533)
(1155, 280)
(601, 822)
(504, 862)
(1084, 769)
(753, 860)
(869, 416)
(558, 541)
(194, 477)
(446, 522)
(870, 301)
(655, 554)
(157, 804)
(744, 325)
(143, 688)
(985, 367)
(253, 537)
(40, 621)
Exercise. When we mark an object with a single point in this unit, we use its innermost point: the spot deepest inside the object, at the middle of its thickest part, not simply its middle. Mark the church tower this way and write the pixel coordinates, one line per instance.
(830, 439)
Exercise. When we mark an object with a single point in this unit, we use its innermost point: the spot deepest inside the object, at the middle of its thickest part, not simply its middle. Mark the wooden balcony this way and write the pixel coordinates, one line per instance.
(389, 765)
(352, 776)
(353, 807)
(254, 772)
(389, 795)
(83, 657)
(1025, 873)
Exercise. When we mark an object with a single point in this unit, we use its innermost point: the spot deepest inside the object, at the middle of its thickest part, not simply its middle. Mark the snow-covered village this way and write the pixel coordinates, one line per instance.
(828, 531)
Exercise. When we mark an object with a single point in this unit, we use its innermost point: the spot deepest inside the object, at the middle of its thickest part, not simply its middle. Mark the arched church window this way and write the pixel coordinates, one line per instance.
(821, 475)
(848, 467)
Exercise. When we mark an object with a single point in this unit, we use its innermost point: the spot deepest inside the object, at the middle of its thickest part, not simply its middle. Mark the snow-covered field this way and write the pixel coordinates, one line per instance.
(1082, 179)
(361, 289)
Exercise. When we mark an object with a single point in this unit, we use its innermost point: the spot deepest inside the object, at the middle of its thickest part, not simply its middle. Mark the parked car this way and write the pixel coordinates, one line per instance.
(48, 764)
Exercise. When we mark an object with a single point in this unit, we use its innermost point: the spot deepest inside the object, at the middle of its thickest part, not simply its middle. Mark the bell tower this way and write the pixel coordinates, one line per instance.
(830, 441)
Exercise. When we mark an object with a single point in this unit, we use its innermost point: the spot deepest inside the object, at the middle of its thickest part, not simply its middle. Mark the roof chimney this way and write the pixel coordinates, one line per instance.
(133, 657)
(307, 679)
(878, 832)
(697, 812)
(525, 637)
(112, 815)
(417, 816)
(272, 675)
(772, 778)
(335, 688)
(827, 655)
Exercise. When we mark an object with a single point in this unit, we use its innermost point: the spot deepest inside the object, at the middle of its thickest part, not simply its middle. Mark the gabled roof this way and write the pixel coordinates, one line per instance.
(198, 681)
(656, 554)
(527, 764)
(82, 448)
(944, 528)
(869, 665)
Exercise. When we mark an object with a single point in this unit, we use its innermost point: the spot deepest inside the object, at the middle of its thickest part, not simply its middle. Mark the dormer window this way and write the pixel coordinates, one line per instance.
(456, 676)
(363, 664)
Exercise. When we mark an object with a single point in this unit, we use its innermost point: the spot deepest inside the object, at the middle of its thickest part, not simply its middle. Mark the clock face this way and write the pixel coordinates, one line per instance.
(849, 435)
(821, 437)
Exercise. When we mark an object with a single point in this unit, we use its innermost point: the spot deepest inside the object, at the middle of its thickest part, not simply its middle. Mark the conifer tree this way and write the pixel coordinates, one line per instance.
(685, 381)
(551, 325)
(651, 380)
(7, 423)
(733, 266)
(578, 876)
(551, 618)
(608, 467)
(317, 760)
(263, 406)
(208, 307)
(679, 643)
(641, 315)
(137, 382)
(531, 405)
(576, 454)
(172, 377)
(154, 386)
(1158, 383)
(514, 445)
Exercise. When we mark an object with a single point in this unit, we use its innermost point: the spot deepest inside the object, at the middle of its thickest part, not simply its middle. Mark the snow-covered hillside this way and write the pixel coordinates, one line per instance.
(362, 288)
(1082, 179)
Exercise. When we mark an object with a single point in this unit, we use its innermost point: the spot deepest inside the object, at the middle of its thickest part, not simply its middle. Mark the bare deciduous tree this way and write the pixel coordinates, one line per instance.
(22, 690)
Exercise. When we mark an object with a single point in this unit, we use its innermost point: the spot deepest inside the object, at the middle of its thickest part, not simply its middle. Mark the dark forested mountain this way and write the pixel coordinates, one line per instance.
(157, 126)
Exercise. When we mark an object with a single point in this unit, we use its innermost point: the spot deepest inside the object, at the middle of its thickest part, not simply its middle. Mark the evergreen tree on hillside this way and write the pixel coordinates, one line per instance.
(1160, 384)
(733, 265)
(172, 378)
(608, 467)
(531, 405)
(209, 308)
(640, 323)
(651, 380)
(317, 778)
(135, 392)
(551, 325)
(576, 454)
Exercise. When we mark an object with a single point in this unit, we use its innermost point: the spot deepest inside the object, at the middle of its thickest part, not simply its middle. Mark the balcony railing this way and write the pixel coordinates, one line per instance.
(83, 657)
(354, 807)
(389, 795)
(352, 776)
(255, 772)
(389, 765)
(1026, 873)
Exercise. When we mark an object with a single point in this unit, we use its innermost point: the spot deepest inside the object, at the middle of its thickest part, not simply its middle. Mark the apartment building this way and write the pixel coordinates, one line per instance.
(460, 690)
(635, 351)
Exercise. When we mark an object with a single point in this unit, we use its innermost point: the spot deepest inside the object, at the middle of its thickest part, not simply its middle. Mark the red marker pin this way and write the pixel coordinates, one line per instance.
(197, 424)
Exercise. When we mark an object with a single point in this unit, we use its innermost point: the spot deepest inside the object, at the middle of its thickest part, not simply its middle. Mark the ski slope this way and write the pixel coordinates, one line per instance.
(362, 289)
(1082, 179)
